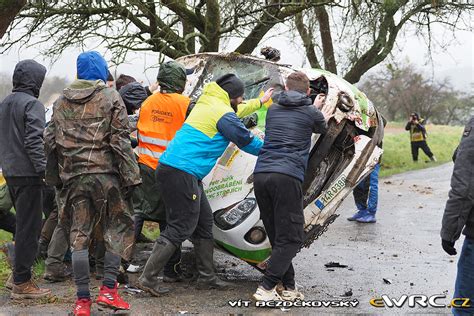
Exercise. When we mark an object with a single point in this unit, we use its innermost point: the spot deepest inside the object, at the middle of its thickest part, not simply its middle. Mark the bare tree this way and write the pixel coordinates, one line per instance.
(172, 27)
(401, 90)
(8, 10)
(366, 31)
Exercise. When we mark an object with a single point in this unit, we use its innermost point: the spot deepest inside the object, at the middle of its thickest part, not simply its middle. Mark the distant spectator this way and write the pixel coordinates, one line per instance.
(418, 137)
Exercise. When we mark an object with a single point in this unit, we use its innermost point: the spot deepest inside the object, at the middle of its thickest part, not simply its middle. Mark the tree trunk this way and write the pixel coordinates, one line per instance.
(307, 38)
(8, 10)
(212, 27)
(326, 39)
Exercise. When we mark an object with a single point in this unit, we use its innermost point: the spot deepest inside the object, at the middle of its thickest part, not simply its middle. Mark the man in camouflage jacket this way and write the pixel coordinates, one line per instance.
(90, 157)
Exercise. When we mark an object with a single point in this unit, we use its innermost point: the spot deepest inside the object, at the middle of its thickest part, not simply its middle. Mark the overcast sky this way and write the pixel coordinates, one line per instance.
(457, 62)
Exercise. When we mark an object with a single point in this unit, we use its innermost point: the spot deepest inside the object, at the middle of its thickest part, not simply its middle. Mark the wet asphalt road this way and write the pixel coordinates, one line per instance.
(403, 247)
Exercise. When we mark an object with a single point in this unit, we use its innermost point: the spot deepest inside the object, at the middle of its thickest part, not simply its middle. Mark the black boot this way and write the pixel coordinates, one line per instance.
(162, 252)
(207, 279)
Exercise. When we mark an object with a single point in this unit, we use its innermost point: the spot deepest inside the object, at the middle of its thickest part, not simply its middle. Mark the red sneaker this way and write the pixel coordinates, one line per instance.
(111, 298)
(83, 307)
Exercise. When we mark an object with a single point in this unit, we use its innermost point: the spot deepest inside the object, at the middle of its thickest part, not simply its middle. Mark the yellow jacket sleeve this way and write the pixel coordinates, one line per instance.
(248, 107)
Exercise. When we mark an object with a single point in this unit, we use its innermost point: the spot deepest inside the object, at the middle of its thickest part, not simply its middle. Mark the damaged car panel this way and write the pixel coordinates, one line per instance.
(338, 160)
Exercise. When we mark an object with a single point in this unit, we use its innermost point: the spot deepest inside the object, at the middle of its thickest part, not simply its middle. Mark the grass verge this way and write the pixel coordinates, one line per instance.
(442, 141)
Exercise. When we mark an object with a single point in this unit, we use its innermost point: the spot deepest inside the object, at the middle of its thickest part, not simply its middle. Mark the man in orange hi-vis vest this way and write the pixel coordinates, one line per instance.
(161, 116)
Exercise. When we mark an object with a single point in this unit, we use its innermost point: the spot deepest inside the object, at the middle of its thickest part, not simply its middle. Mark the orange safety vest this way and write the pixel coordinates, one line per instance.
(161, 116)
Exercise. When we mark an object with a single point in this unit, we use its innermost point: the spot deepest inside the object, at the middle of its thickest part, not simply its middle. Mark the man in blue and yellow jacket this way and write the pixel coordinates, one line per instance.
(190, 156)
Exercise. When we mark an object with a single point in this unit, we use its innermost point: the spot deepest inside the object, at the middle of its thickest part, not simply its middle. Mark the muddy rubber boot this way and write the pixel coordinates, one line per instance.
(162, 252)
(207, 278)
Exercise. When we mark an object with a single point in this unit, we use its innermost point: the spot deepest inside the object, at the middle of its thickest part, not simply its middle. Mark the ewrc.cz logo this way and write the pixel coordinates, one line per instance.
(297, 303)
(419, 300)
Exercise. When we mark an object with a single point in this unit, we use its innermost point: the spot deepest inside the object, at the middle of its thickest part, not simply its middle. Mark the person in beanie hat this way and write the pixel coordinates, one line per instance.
(189, 157)
(232, 85)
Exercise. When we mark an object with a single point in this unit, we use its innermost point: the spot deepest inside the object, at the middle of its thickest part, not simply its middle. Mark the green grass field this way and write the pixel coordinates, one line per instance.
(442, 141)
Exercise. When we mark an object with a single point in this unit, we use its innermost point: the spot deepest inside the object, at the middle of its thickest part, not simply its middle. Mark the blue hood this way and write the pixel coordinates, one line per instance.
(92, 66)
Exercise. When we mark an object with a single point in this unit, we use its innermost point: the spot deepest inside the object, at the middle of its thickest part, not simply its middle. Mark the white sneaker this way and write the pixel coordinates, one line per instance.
(292, 295)
(263, 295)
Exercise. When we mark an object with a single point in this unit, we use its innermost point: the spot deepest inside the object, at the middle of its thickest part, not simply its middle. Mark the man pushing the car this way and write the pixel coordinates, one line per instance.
(189, 157)
(278, 178)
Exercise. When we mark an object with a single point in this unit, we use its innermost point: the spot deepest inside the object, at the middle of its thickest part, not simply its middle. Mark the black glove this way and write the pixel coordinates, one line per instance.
(448, 246)
(128, 192)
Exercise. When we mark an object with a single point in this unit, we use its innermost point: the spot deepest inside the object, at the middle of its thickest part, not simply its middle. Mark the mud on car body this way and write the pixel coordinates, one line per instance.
(338, 160)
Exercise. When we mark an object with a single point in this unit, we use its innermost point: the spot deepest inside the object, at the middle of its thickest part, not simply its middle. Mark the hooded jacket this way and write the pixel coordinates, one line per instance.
(289, 125)
(133, 94)
(88, 134)
(22, 122)
(459, 212)
(206, 133)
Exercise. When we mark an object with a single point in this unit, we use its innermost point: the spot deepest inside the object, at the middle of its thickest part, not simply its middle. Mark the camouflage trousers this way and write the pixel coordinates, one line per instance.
(91, 203)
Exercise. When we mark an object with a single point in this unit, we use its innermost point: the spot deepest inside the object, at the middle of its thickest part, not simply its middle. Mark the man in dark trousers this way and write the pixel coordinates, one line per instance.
(459, 217)
(278, 179)
(418, 137)
(188, 158)
(22, 157)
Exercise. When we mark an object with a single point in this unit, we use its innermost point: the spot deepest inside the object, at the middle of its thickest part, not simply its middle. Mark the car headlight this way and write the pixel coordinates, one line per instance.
(256, 235)
(232, 216)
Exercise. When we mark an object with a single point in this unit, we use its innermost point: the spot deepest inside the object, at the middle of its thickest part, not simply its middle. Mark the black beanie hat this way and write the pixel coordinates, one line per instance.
(232, 85)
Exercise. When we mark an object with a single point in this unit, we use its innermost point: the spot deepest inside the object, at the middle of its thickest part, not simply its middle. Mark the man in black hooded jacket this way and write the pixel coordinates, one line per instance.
(278, 178)
(22, 157)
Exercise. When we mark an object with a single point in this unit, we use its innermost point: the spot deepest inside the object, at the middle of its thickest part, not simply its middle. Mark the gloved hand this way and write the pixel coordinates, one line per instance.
(128, 192)
(448, 246)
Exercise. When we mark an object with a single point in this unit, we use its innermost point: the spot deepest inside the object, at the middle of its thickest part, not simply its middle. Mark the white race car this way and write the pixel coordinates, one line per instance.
(338, 160)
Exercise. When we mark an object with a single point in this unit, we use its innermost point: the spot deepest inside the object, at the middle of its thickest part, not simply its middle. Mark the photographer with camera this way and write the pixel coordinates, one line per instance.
(418, 137)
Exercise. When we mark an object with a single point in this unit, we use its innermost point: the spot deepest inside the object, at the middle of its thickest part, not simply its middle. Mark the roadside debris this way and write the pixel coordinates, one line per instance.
(133, 268)
(387, 281)
(132, 290)
(335, 265)
(348, 293)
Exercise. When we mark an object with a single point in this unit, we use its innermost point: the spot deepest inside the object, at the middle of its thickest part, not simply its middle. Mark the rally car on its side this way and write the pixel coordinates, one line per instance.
(338, 160)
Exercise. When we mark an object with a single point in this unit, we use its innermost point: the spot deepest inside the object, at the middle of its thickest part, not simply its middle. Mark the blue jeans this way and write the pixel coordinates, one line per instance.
(464, 287)
(367, 191)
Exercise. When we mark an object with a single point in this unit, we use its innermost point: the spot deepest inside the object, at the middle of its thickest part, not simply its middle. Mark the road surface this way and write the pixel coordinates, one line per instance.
(403, 247)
